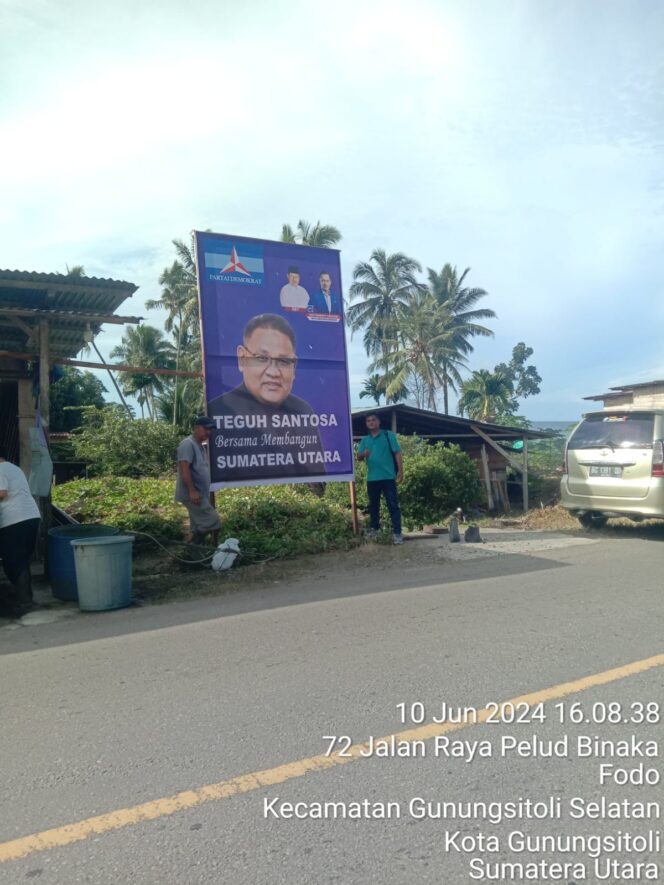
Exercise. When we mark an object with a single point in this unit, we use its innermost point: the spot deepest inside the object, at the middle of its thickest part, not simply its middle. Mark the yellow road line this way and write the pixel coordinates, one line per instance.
(124, 817)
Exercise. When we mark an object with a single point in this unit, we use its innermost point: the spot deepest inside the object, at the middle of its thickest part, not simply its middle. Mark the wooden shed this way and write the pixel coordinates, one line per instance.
(46, 319)
(478, 439)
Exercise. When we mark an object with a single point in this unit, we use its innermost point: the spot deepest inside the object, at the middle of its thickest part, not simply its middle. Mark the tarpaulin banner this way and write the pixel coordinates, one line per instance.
(275, 361)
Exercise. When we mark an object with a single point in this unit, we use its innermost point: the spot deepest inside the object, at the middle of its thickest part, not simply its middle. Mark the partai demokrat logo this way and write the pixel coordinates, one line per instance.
(225, 263)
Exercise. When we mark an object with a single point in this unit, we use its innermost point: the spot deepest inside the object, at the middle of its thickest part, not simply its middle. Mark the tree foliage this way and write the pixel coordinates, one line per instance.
(438, 478)
(525, 379)
(457, 308)
(179, 400)
(179, 297)
(146, 347)
(382, 289)
(71, 392)
(187, 398)
(373, 388)
(485, 396)
(419, 335)
(322, 235)
(494, 396)
(411, 360)
(436, 482)
(115, 445)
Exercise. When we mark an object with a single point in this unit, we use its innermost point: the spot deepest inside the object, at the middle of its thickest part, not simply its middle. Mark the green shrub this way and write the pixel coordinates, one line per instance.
(281, 521)
(545, 456)
(269, 521)
(277, 521)
(116, 445)
(437, 479)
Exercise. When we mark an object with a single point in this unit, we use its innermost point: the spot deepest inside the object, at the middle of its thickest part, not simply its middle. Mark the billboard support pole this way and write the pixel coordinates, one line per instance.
(353, 506)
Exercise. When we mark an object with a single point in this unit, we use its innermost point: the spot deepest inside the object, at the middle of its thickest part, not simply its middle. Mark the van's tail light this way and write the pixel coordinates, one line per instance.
(658, 458)
(565, 470)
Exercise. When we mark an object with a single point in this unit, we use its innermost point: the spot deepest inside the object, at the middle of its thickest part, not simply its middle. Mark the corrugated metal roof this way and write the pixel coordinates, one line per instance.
(59, 292)
(425, 423)
(624, 389)
(63, 278)
(62, 291)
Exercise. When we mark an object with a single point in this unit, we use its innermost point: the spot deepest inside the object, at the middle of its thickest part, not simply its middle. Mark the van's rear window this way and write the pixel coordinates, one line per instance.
(616, 430)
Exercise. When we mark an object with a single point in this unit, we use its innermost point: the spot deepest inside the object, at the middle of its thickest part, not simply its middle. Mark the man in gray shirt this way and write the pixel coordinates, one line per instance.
(192, 487)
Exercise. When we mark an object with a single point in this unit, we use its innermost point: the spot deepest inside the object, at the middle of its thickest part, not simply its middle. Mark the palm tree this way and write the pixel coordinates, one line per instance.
(414, 360)
(186, 264)
(373, 388)
(459, 302)
(383, 287)
(77, 271)
(187, 400)
(322, 235)
(176, 298)
(485, 395)
(145, 347)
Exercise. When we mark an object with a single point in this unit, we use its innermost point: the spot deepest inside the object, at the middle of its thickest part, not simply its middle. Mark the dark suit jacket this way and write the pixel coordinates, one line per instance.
(317, 303)
(268, 444)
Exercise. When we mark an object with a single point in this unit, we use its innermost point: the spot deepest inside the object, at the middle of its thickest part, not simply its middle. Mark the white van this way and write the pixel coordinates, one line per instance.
(614, 466)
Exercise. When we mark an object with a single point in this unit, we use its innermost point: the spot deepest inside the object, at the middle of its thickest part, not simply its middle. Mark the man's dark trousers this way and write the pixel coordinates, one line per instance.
(387, 487)
(17, 542)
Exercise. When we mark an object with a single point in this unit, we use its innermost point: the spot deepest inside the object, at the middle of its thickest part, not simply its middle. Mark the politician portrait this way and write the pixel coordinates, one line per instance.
(262, 428)
(325, 301)
(293, 295)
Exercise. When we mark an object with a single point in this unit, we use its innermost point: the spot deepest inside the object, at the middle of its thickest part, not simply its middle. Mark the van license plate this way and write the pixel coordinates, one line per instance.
(606, 470)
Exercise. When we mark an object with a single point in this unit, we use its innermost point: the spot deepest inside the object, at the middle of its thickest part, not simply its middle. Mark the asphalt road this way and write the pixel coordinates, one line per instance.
(224, 702)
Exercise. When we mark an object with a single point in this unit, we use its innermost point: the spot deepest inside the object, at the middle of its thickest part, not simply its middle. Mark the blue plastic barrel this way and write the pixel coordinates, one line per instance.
(62, 571)
(103, 572)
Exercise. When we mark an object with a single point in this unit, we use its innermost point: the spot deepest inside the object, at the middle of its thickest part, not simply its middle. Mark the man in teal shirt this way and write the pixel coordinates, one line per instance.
(380, 449)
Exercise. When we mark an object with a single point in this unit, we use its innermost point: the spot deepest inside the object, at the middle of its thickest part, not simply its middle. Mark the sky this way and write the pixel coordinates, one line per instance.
(520, 139)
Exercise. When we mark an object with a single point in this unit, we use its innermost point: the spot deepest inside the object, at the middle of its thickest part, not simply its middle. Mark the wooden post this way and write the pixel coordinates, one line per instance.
(505, 494)
(44, 402)
(393, 428)
(512, 460)
(487, 478)
(353, 507)
(45, 412)
(26, 420)
(524, 477)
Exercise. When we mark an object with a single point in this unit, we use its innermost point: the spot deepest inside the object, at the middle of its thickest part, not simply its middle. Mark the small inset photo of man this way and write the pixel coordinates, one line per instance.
(293, 296)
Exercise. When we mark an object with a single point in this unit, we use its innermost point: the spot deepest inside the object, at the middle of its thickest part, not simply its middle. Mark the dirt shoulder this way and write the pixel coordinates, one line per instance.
(158, 579)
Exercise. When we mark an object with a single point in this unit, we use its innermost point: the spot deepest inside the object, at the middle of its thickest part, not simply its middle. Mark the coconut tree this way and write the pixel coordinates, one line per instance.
(322, 235)
(414, 358)
(458, 301)
(77, 270)
(186, 271)
(176, 298)
(485, 395)
(144, 347)
(373, 388)
(187, 400)
(382, 288)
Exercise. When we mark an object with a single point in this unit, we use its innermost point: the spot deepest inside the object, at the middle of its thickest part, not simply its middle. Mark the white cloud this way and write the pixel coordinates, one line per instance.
(518, 139)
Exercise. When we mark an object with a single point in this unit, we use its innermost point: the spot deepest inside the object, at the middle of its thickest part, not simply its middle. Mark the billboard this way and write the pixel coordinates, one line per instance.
(274, 351)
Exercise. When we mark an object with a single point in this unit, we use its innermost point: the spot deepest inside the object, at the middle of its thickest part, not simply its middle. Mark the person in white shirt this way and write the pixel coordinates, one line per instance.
(19, 522)
(294, 295)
